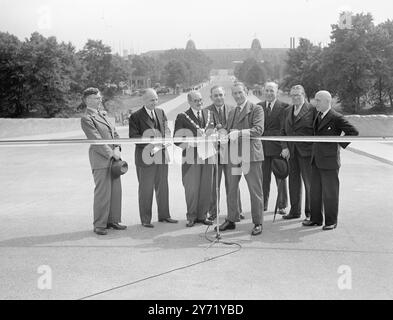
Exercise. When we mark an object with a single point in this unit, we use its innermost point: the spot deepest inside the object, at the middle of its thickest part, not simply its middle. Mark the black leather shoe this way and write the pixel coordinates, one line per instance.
(330, 227)
(115, 226)
(242, 217)
(290, 216)
(100, 231)
(256, 230)
(147, 225)
(206, 222)
(310, 223)
(190, 224)
(227, 225)
(281, 211)
(169, 220)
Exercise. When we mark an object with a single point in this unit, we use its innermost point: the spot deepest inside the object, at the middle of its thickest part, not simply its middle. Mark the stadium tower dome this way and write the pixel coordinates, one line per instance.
(256, 45)
(190, 45)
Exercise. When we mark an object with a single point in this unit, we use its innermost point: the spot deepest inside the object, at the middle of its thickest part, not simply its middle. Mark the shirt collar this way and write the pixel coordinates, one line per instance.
(325, 113)
(218, 108)
(271, 103)
(242, 105)
(148, 111)
(92, 111)
(195, 112)
(299, 108)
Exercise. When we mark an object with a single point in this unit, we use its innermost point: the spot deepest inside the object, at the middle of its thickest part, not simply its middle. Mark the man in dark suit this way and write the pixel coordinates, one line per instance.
(107, 191)
(197, 173)
(298, 122)
(151, 160)
(245, 156)
(274, 118)
(326, 162)
(221, 112)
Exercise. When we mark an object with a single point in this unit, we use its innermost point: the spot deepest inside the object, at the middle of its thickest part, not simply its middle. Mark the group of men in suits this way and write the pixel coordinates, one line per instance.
(316, 164)
(198, 171)
(239, 154)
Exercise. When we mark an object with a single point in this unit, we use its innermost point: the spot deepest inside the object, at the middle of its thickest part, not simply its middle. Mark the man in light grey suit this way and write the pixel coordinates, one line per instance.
(107, 192)
(245, 156)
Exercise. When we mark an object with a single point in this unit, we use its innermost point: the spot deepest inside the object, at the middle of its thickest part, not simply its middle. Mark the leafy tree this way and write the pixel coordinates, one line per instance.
(48, 73)
(348, 63)
(251, 72)
(174, 73)
(381, 45)
(11, 76)
(97, 59)
(304, 67)
(196, 64)
(147, 67)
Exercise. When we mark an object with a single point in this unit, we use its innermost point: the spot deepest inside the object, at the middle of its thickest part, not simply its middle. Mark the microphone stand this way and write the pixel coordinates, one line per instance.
(217, 229)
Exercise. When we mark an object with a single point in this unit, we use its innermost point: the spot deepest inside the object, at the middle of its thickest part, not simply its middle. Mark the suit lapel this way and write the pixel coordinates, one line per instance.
(230, 119)
(160, 120)
(246, 110)
(98, 118)
(325, 120)
(290, 115)
(302, 112)
(276, 109)
(205, 113)
(190, 113)
(147, 119)
(226, 108)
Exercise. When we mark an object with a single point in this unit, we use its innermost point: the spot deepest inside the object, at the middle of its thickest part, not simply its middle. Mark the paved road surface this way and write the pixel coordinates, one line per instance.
(46, 209)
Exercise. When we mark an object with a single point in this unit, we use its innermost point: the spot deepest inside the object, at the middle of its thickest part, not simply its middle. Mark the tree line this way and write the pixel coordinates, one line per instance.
(43, 76)
(356, 66)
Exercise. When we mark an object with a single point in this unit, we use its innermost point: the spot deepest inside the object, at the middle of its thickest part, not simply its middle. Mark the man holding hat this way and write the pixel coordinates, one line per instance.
(107, 192)
(274, 118)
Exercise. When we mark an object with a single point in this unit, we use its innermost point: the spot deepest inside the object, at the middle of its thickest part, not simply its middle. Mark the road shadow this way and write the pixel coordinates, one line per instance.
(170, 236)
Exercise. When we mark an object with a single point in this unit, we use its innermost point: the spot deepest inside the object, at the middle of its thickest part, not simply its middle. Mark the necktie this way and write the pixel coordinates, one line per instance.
(221, 115)
(268, 110)
(199, 118)
(153, 118)
(319, 118)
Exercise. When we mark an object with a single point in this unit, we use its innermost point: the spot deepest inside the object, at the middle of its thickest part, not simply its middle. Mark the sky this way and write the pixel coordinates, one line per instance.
(143, 25)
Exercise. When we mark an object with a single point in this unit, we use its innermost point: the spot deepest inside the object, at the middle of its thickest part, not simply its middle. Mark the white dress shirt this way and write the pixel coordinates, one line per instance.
(297, 110)
(325, 113)
(151, 113)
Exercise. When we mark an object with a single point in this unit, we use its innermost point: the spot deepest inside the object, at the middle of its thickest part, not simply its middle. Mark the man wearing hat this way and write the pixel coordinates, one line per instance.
(151, 160)
(107, 192)
(274, 118)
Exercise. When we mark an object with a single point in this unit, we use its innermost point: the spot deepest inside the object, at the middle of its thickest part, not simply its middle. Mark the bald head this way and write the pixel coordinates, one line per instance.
(323, 100)
(150, 98)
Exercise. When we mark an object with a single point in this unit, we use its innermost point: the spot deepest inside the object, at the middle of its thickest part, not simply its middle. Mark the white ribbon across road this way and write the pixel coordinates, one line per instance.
(123, 141)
